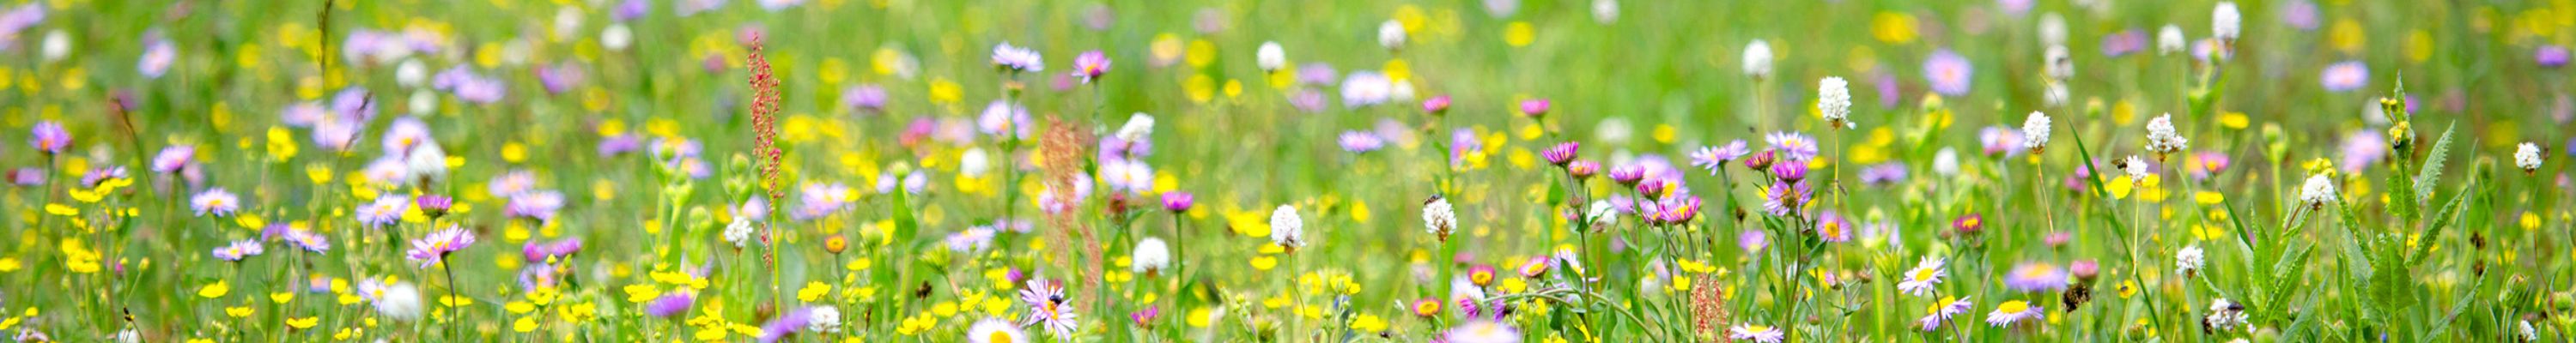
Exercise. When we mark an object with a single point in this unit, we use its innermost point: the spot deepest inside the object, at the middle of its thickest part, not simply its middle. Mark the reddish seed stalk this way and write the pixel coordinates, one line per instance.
(764, 122)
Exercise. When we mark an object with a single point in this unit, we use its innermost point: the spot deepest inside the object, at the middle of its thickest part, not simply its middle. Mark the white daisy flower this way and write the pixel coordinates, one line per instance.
(2016, 311)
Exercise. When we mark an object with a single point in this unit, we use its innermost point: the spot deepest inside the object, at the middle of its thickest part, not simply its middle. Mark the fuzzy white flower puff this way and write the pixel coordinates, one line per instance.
(2189, 260)
(2225, 22)
(2318, 191)
(2034, 131)
(1151, 256)
(1286, 229)
(1834, 101)
(2162, 138)
(1757, 59)
(1439, 218)
(1270, 56)
(2527, 156)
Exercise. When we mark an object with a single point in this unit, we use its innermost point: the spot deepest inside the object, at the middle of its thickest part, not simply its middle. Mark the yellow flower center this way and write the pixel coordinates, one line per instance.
(2015, 306)
(1921, 274)
(998, 336)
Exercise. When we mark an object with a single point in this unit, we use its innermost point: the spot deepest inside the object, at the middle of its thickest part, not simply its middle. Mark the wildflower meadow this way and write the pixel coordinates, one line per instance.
(1287, 171)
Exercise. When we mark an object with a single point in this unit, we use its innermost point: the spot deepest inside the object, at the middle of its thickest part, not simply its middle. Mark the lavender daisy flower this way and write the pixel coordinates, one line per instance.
(1926, 275)
(2015, 311)
(240, 249)
(2346, 76)
(2550, 56)
(1482, 331)
(50, 137)
(1832, 227)
(539, 205)
(432, 249)
(157, 56)
(216, 202)
(559, 77)
(1752, 240)
(1940, 312)
(786, 324)
(2036, 277)
(1307, 100)
(1360, 142)
(384, 211)
(1004, 118)
(1366, 88)
(1756, 333)
(1792, 146)
(670, 304)
(619, 144)
(1461, 142)
(538, 252)
(1177, 201)
(1883, 174)
(867, 98)
(2124, 43)
(1015, 59)
(27, 176)
(307, 240)
(1714, 158)
(1782, 198)
(172, 158)
(1090, 65)
(1048, 307)
(1561, 153)
(1948, 72)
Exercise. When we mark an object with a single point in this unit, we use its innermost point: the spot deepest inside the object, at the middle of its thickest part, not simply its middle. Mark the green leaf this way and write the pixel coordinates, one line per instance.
(2432, 167)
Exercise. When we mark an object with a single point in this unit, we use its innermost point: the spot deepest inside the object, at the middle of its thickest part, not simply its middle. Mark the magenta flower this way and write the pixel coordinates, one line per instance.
(1178, 201)
(671, 304)
(172, 158)
(1561, 153)
(1440, 104)
(1792, 146)
(1360, 141)
(1534, 108)
(1949, 73)
(432, 249)
(2550, 56)
(1090, 65)
(50, 137)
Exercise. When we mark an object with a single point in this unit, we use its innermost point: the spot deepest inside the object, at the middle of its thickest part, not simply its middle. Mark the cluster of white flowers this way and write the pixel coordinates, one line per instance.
(2225, 315)
(2318, 191)
(2169, 40)
(2527, 156)
(1834, 101)
(738, 233)
(1757, 59)
(1391, 35)
(2224, 22)
(2061, 63)
(2136, 167)
(2188, 260)
(1151, 256)
(1286, 229)
(1270, 56)
(823, 319)
(1439, 218)
(1140, 126)
(2161, 137)
(2034, 131)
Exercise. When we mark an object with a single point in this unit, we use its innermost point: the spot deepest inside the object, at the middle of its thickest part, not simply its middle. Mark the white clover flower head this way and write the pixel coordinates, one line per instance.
(2034, 131)
(1605, 11)
(1757, 59)
(2055, 94)
(1391, 34)
(2061, 63)
(1151, 256)
(2162, 138)
(57, 45)
(616, 37)
(2225, 22)
(2169, 40)
(738, 233)
(1834, 101)
(2224, 315)
(1139, 127)
(823, 319)
(2189, 260)
(2318, 191)
(2527, 156)
(1270, 56)
(1946, 162)
(974, 162)
(1439, 218)
(2136, 167)
(1286, 229)
(2052, 29)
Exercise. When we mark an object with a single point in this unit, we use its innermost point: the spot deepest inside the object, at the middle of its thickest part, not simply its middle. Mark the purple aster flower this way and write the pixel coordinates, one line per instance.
(1561, 153)
(2361, 149)
(1090, 65)
(434, 205)
(1534, 108)
(867, 98)
(619, 144)
(239, 250)
(538, 252)
(2550, 56)
(1360, 141)
(216, 202)
(2001, 141)
(559, 77)
(1752, 240)
(671, 304)
(1714, 158)
(1782, 198)
(1003, 117)
(384, 211)
(1888, 90)
(1883, 174)
(50, 137)
(27, 176)
(1318, 73)
(2300, 14)
(172, 158)
(786, 324)
(1440, 104)
(2346, 76)
(307, 240)
(1948, 72)
(1017, 59)
(630, 9)
(1628, 175)
(1792, 146)
(157, 55)
(539, 205)
(1832, 227)
(1462, 141)
(1177, 201)
(1308, 100)
(432, 249)
(1789, 172)
(2036, 277)
(1145, 317)
(2207, 163)
(1582, 170)
(102, 174)
(2124, 42)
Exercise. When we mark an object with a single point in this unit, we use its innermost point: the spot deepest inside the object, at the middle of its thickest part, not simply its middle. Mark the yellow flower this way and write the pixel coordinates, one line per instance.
(303, 323)
(281, 144)
(1893, 27)
(216, 290)
(1368, 323)
(281, 297)
(9, 264)
(813, 291)
(238, 311)
(524, 324)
